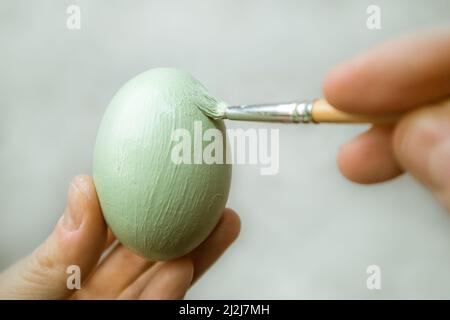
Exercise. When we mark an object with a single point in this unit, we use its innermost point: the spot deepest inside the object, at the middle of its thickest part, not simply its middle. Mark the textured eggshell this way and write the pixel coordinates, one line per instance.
(159, 209)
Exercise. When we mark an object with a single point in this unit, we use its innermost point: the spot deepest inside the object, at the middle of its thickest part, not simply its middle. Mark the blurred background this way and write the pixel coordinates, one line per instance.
(306, 232)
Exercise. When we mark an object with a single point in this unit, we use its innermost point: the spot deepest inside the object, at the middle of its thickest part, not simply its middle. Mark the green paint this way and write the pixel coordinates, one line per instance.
(215, 109)
(159, 209)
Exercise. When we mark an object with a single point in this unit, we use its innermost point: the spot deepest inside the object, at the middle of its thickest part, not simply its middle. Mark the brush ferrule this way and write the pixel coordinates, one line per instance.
(303, 111)
(292, 112)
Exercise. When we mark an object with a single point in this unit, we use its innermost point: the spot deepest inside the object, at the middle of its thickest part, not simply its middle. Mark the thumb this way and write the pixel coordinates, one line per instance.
(422, 146)
(78, 239)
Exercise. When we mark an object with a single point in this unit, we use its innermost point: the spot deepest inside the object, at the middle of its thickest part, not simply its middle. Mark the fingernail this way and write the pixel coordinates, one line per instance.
(425, 149)
(73, 214)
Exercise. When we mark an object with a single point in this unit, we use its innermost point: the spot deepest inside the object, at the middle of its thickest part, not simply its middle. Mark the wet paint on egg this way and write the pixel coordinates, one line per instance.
(156, 207)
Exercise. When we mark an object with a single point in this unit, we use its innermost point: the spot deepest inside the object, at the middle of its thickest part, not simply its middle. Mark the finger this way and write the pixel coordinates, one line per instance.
(116, 272)
(169, 280)
(202, 257)
(422, 146)
(134, 290)
(369, 158)
(110, 239)
(78, 239)
(226, 231)
(394, 77)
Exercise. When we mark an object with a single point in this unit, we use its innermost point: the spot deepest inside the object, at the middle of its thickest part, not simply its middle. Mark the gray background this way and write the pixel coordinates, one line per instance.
(306, 232)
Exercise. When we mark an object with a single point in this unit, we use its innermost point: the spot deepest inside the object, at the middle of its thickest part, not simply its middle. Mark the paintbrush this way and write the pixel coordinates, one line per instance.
(313, 111)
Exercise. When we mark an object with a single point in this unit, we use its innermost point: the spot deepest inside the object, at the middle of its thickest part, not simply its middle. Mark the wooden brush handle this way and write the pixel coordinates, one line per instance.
(322, 111)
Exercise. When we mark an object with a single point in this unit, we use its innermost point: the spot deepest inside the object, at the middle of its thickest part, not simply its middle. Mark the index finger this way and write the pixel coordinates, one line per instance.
(394, 77)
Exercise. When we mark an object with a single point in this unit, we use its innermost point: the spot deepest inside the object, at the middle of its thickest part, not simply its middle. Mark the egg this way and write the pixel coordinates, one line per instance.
(156, 206)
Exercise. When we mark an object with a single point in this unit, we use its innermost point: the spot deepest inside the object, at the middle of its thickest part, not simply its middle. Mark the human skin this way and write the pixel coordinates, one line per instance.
(398, 76)
(80, 238)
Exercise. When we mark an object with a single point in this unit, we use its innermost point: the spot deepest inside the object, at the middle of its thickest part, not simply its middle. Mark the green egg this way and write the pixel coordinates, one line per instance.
(155, 206)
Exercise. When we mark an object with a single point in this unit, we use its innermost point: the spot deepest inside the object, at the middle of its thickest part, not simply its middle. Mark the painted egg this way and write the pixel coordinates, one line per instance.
(157, 169)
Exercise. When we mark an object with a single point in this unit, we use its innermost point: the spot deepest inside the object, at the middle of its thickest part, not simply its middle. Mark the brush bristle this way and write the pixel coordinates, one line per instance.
(212, 107)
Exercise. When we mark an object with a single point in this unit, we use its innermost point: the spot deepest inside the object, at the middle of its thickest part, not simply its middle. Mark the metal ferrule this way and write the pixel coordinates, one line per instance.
(293, 112)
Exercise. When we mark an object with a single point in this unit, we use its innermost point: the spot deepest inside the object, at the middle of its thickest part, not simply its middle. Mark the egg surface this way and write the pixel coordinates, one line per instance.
(159, 208)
